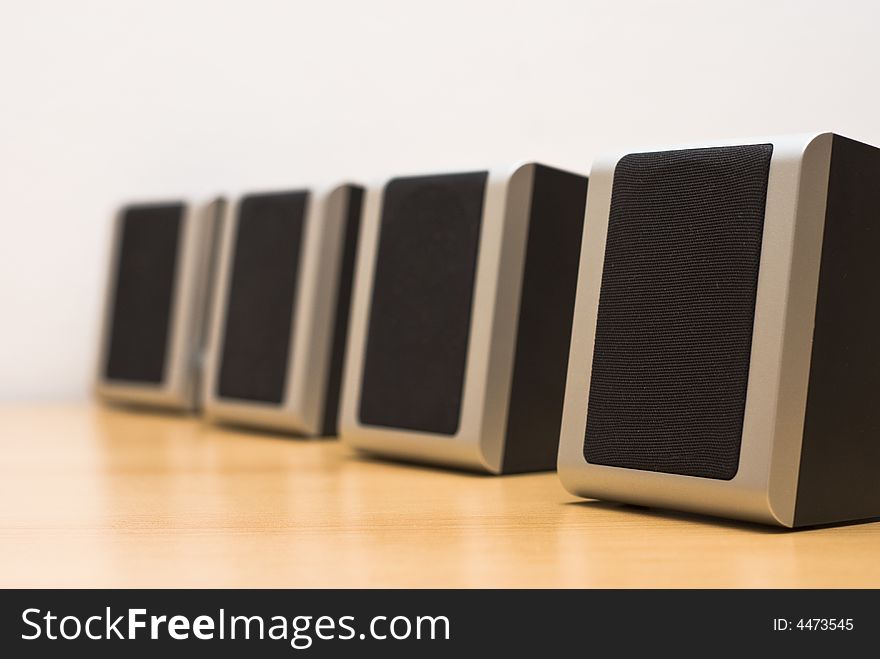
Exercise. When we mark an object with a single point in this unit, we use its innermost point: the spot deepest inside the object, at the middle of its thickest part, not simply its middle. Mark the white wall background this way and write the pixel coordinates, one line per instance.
(101, 101)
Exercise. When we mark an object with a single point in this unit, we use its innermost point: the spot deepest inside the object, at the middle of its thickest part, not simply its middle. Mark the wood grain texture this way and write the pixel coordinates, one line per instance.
(105, 497)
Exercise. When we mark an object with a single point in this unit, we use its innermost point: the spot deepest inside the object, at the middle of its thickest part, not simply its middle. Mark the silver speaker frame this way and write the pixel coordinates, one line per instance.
(765, 485)
(188, 319)
(317, 283)
(478, 443)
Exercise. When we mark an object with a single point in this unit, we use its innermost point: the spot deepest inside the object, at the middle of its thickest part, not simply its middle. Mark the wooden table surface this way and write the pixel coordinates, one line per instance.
(102, 497)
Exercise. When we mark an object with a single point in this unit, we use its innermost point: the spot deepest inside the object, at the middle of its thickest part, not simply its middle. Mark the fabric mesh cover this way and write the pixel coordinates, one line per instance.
(420, 312)
(143, 295)
(676, 311)
(257, 334)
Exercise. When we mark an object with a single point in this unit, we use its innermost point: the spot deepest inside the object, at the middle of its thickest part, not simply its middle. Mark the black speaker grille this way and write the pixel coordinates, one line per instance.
(420, 315)
(676, 311)
(262, 295)
(146, 267)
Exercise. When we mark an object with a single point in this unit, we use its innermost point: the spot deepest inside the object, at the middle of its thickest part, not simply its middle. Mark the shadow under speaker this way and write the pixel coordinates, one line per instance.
(278, 334)
(724, 354)
(156, 305)
(462, 318)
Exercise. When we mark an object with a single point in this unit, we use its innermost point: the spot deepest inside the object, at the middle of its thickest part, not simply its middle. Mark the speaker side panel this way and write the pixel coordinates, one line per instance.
(211, 230)
(543, 334)
(840, 453)
(343, 309)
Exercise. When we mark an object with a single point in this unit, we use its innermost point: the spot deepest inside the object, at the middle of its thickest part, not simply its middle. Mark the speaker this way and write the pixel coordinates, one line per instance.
(462, 316)
(156, 304)
(724, 354)
(278, 334)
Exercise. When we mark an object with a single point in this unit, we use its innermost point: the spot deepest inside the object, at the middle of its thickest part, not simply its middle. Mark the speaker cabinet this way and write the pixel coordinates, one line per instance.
(462, 317)
(724, 354)
(156, 304)
(278, 334)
